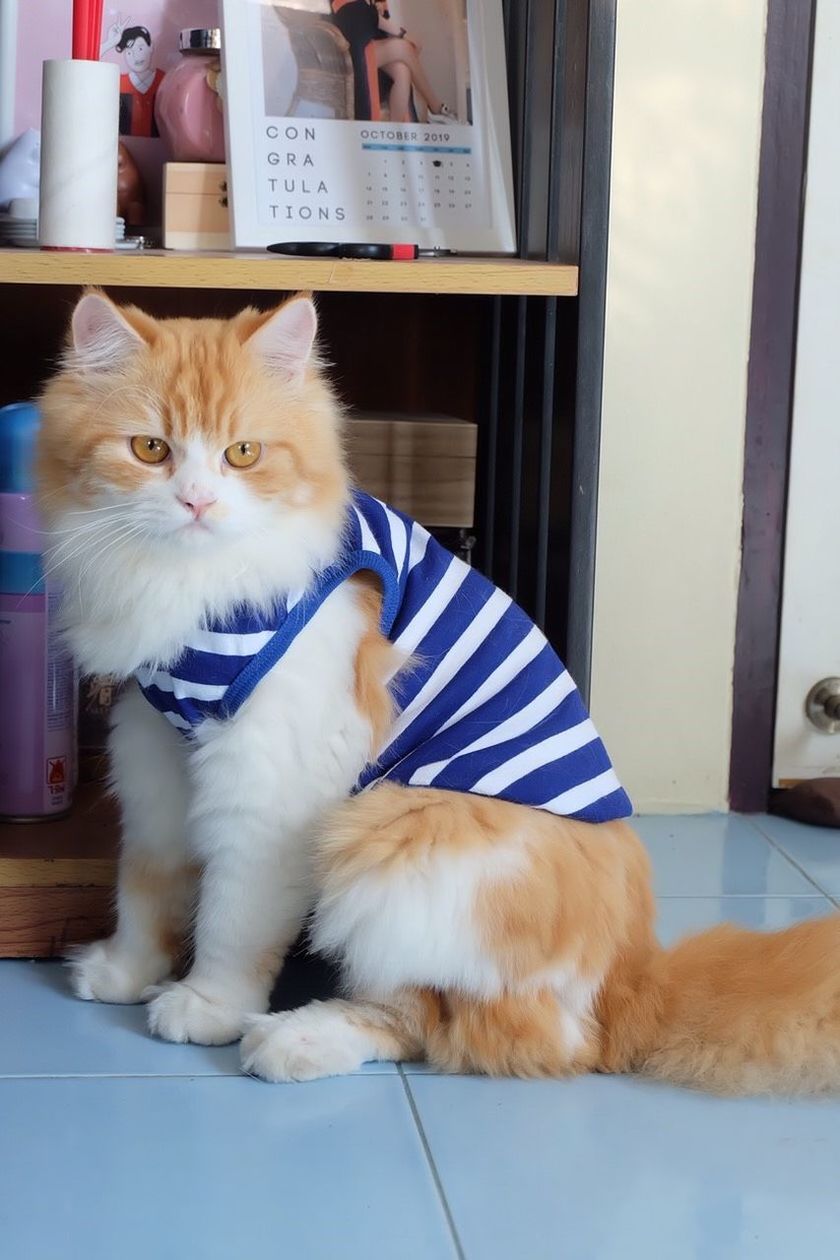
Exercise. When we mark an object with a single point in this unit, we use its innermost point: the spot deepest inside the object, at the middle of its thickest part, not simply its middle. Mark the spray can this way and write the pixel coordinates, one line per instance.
(37, 677)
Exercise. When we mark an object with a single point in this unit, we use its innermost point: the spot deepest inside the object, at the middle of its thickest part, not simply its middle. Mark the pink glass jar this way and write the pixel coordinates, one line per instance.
(188, 108)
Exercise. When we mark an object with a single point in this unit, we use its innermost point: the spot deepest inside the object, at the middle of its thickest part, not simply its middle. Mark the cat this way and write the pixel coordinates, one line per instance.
(192, 471)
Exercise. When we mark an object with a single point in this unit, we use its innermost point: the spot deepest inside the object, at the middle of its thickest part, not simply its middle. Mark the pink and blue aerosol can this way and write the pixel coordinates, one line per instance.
(37, 678)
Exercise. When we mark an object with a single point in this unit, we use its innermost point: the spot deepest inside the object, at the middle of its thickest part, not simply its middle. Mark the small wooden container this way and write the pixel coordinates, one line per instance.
(423, 465)
(195, 206)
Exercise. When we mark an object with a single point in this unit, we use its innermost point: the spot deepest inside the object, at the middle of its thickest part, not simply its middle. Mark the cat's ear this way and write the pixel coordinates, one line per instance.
(285, 341)
(101, 336)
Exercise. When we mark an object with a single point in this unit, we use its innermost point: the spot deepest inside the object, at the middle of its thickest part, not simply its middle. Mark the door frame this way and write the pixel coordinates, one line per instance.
(770, 382)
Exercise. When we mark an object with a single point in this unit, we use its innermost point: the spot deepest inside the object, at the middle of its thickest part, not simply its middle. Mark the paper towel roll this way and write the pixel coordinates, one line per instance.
(79, 138)
(8, 69)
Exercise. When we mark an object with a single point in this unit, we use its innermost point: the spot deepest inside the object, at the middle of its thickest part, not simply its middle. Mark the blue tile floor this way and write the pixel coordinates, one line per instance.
(116, 1147)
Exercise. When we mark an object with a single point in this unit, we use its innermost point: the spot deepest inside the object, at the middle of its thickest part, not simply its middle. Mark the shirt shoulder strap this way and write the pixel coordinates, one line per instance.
(376, 538)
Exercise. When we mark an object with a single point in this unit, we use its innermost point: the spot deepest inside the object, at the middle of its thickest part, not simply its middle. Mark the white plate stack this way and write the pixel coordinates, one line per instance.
(20, 226)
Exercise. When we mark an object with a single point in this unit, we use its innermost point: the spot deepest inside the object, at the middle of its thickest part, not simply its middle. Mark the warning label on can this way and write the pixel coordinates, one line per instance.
(57, 772)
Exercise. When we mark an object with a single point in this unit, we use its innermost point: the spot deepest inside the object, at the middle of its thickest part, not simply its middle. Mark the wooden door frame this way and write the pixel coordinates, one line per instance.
(770, 382)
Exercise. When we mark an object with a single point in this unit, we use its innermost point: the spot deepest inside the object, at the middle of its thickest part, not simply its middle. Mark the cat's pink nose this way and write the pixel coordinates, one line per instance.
(197, 504)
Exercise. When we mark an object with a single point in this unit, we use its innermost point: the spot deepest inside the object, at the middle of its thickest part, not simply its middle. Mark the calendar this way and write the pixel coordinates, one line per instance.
(426, 189)
(368, 121)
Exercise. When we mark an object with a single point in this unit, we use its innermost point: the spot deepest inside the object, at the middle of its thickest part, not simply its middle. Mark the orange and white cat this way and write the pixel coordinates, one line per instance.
(189, 467)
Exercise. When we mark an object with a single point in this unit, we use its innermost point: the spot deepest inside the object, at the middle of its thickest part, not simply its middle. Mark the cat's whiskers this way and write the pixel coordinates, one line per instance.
(85, 526)
(126, 534)
(109, 507)
(49, 495)
(92, 538)
(64, 550)
(58, 561)
(122, 535)
(82, 536)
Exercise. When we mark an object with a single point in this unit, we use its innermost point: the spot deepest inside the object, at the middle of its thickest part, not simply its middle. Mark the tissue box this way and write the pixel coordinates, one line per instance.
(195, 206)
(423, 465)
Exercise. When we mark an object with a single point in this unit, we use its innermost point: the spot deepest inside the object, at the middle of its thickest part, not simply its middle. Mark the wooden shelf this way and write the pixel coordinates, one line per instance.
(173, 269)
(57, 878)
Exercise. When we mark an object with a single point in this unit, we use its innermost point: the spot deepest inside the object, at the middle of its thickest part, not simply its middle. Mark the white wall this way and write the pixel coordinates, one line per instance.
(689, 81)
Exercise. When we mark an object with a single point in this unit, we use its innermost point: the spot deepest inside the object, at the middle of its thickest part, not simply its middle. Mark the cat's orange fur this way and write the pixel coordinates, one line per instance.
(197, 378)
(374, 663)
(559, 913)
(728, 1010)
(159, 889)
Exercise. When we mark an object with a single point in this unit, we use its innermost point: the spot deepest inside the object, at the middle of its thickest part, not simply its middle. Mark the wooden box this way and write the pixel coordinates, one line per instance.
(424, 465)
(195, 206)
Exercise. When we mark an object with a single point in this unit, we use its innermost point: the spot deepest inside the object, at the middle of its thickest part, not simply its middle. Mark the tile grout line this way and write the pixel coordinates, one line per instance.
(427, 1150)
(119, 1076)
(729, 896)
(802, 871)
(159, 1076)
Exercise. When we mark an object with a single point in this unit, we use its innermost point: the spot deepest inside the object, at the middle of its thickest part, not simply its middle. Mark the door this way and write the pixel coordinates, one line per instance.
(809, 747)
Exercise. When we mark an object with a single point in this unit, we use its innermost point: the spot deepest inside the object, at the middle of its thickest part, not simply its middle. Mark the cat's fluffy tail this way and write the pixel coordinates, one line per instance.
(731, 1011)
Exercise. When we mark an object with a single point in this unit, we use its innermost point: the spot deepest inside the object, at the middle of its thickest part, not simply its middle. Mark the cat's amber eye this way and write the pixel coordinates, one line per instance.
(150, 450)
(243, 454)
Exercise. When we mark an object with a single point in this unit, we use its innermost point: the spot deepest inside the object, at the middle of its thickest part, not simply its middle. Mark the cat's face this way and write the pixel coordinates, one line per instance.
(188, 433)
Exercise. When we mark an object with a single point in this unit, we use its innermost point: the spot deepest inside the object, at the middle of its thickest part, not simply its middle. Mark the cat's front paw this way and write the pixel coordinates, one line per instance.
(303, 1045)
(178, 1012)
(102, 972)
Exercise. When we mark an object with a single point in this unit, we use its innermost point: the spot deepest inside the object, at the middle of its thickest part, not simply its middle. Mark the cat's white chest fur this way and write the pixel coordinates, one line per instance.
(301, 728)
(138, 605)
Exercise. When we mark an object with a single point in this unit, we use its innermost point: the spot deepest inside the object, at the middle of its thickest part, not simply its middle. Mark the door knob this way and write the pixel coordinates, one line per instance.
(823, 705)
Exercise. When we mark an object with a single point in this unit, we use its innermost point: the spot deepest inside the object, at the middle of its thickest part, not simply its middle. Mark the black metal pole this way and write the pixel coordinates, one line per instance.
(591, 321)
(491, 440)
(518, 434)
(546, 444)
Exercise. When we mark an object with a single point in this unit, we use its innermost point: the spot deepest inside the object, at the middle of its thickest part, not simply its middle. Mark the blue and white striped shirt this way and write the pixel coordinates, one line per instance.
(484, 706)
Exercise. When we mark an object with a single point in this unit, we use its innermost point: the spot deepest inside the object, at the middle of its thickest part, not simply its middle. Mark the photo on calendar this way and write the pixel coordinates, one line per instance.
(372, 120)
(398, 61)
